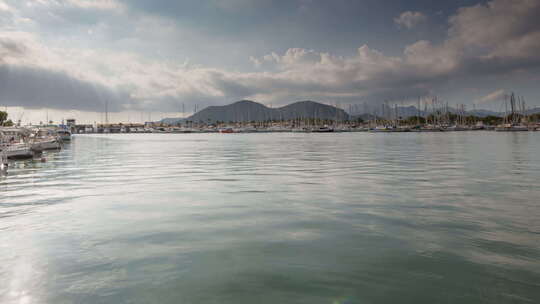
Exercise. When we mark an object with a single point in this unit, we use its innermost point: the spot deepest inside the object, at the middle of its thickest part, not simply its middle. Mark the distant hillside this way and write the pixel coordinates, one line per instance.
(311, 109)
(533, 111)
(364, 117)
(247, 110)
(244, 110)
(484, 113)
(390, 112)
(408, 111)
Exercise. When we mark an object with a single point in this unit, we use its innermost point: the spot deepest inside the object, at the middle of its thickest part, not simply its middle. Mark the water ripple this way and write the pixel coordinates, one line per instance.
(275, 218)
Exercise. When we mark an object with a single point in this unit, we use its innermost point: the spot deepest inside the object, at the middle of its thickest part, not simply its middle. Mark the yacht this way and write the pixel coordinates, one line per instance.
(324, 129)
(387, 129)
(511, 128)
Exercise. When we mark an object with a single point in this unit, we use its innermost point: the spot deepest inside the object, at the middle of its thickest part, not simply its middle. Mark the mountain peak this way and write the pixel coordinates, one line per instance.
(245, 101)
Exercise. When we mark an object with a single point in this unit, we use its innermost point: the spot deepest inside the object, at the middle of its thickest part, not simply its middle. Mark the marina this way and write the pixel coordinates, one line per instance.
(29, 142)
(269, 152)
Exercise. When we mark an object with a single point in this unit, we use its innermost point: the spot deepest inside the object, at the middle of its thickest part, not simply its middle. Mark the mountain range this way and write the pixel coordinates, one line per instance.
(247, 110)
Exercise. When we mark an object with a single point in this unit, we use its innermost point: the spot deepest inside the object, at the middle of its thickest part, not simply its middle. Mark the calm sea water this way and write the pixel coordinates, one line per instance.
(275, 218)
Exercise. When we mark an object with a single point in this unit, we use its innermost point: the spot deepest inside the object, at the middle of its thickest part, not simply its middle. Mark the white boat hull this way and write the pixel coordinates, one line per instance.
(18, 151)
(46, 145)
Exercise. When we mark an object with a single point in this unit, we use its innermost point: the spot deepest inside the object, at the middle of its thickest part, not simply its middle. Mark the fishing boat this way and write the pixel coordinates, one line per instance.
(64, 134)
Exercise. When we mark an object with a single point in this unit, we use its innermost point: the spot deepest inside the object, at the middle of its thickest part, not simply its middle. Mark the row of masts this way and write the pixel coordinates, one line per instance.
(518, 109)
(435, 112)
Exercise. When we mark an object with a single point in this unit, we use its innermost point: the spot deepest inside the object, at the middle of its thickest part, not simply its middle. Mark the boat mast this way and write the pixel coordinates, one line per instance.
(396, 114)
(418, 112)
(106, 111)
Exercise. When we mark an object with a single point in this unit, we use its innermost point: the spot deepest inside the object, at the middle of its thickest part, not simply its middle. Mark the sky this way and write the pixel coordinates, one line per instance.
(145, 60)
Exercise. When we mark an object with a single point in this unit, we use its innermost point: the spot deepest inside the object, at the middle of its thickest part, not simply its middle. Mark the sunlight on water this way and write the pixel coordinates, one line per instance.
(275, 218)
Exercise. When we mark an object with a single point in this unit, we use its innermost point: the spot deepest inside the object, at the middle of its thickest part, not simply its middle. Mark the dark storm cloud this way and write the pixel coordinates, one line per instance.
(39, 88)
(10, 48)
(334, 26)
(30, 86)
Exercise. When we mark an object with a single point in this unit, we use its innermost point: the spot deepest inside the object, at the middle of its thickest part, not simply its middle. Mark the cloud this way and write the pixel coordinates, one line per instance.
(495, 96)
(82, 4)
(4, 7)
(34, 76)
(97, 4)
(465, 54)
(410, 19)
(502, 35)
(39, 88)
(84, 79)
(368, 74)
(10, 48)
(241, 5)
(35, 73)
(296, 56)
(256, 61)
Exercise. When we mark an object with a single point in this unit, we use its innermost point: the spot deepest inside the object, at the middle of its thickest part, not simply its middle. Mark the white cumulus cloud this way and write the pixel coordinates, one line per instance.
(410, 19)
